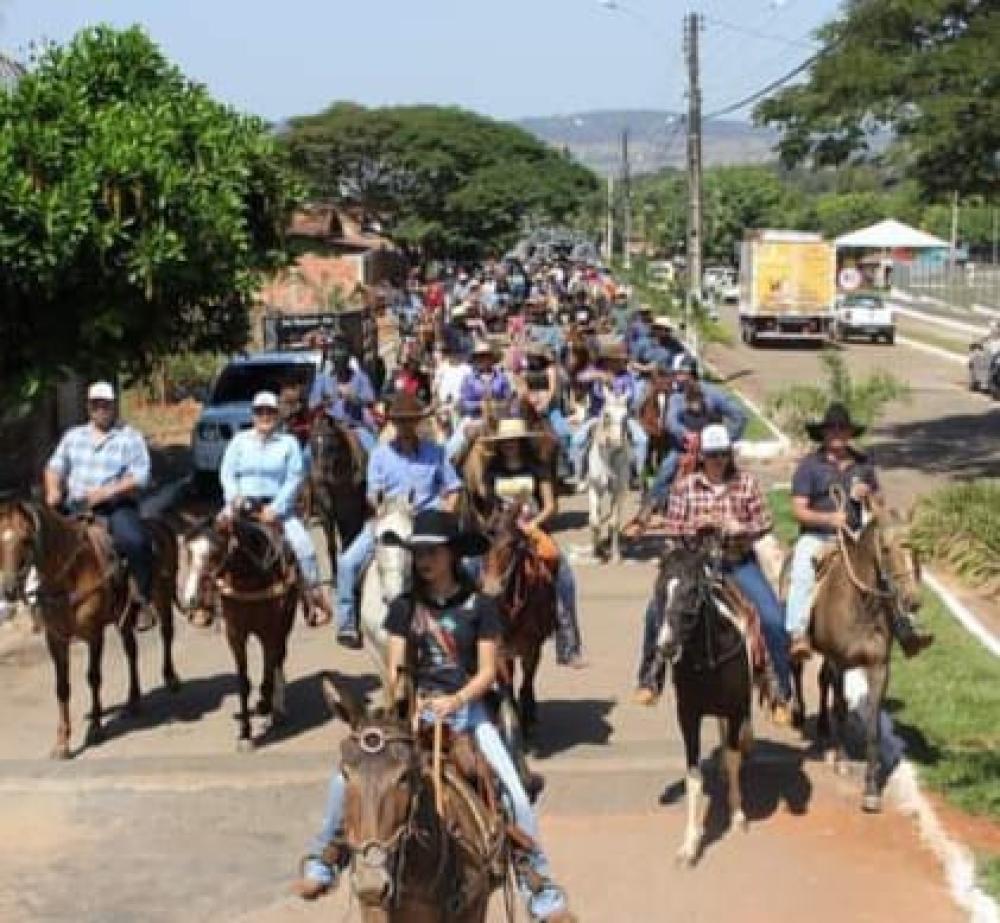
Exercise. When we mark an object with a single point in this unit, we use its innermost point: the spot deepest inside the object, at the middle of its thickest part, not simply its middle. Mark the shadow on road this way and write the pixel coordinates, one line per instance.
(564, 724)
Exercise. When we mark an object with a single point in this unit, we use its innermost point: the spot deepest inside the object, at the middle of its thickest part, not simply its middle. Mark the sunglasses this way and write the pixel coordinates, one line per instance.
(265, 412)
(722, 454)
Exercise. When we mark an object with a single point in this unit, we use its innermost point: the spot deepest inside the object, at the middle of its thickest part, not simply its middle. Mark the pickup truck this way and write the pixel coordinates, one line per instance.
(864, 315)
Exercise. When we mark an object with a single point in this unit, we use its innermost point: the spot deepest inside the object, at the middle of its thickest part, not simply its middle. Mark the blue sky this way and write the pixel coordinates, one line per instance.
(508, 59)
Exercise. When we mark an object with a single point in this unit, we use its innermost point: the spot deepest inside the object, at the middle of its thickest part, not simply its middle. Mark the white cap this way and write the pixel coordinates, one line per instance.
(663, 323)
(715, 438)
(100, 391)
(265, 399)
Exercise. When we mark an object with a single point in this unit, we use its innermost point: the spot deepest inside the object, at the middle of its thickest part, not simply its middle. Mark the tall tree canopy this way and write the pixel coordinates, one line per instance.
(135, 212)
(440, 181)
(926, 70)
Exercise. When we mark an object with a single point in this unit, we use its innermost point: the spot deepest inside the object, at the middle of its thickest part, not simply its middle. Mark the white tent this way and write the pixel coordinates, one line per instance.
(891, 235)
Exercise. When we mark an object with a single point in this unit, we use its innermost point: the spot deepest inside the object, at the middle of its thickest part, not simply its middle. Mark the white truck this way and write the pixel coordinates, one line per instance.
(787, 286)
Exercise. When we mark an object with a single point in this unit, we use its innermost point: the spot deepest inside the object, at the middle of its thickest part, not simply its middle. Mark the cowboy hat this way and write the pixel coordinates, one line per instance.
(434, 528)
(539, 350)
(663, 323)
(407, 407)
(614, 351)
(836, 415)
(483, 348)
(511, 428)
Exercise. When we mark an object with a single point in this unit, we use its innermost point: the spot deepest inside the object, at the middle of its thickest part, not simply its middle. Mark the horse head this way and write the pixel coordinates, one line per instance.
(898, 562)
(395, 514)
(330, 447)
(612, 427)
(380, 763)
(205, 548)
(20, 537)
(508, 544)
(682, 587)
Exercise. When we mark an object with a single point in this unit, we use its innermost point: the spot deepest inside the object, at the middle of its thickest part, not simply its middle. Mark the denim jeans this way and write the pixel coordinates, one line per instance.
(368, 440)
(350, 565)
(751, 580)
(802, 582)
(648, 677)
(659, 491)
(472, 718)
(298, 537)
(568, 642)
(132, 541)
(561, 427)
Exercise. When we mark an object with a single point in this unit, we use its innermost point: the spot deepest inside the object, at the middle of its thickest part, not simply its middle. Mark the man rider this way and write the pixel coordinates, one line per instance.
(407, 467)
(346, 392)
(834, 463)
(100, 467)
(486, 382)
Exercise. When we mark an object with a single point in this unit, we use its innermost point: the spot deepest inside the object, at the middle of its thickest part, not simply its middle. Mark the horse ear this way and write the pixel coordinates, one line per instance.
(341, 702)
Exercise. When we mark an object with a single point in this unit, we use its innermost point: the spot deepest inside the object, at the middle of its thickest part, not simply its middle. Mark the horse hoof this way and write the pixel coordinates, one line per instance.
(95, 735)
(740, 822)
(173, 683)
(871, 803)
(245, 745)
(685, 857)
(59, 752)
(278, 719)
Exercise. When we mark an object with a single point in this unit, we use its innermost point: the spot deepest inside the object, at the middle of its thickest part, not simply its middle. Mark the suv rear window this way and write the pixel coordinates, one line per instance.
(239, 383)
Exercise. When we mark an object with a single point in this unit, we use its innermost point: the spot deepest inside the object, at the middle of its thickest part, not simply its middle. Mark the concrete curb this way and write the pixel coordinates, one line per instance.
(963, 615)
(941, 321)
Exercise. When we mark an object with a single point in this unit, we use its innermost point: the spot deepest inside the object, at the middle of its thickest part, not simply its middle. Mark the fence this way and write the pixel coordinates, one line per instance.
(972, 289)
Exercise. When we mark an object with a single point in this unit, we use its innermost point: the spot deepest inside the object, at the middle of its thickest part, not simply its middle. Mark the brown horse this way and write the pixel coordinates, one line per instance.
(423, 845)
(860, 589)
(254, 573)
(83, 588)
(524, 587)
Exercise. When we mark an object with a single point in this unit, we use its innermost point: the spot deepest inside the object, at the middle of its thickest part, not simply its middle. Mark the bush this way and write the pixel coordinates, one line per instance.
(795, 406)
(960, 525)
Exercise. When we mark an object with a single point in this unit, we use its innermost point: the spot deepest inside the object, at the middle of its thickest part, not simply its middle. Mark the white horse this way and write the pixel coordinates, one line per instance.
(386, 578)
(609, 468)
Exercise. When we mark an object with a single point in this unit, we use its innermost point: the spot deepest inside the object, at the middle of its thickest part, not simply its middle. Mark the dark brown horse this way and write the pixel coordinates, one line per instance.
(865, 583)
(524, 586)
(83, 588)
(248, 566)
(422, 844)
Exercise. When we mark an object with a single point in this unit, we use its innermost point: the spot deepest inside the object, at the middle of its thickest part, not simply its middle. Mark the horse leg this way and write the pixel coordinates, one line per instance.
(878, 679)
(798, 697)
(735, 742)
(95, 646)
(528, 707)
(690, 722)
(127, 632)
(840, 764)
(824, 682)
(170, 678)
(237, 639)
(616, 527)
(59, 651)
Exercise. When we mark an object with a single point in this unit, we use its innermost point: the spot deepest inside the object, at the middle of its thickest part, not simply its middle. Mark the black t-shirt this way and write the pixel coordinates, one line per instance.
(444, 637)
(816, 474)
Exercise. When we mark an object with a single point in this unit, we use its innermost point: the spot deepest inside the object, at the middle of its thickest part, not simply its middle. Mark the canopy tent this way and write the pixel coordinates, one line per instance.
(891, 235)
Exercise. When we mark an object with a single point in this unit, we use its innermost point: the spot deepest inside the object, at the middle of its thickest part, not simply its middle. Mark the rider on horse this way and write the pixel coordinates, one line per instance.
(406, 467)
(835, 463)
(264, 466)
(99, 468)
(346, 392)
(515, 473)
(544, 387)
(448, 632)
(719, 495)
(486, 382)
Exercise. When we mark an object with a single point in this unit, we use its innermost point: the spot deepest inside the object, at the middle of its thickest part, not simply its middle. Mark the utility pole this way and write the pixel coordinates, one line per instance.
(609, 239)
(626, 203)
(692, 25)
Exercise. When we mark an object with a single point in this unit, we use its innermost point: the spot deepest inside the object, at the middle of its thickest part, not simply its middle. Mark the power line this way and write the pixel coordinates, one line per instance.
(754, 33)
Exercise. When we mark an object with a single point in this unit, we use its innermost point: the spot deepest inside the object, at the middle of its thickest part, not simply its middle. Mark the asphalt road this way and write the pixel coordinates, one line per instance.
(165, 821)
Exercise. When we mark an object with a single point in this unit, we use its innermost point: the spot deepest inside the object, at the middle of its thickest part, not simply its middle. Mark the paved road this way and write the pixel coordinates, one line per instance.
(166, 822)
(944, 433)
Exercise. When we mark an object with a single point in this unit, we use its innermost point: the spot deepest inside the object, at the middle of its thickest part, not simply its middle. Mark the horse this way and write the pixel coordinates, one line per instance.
(578, 358)
(247, 565)
(609, 469)
(423, 844)
(524, 587)
(386, 578)
(702, 639)
(861, 586)
(82, 589)
(337, 483)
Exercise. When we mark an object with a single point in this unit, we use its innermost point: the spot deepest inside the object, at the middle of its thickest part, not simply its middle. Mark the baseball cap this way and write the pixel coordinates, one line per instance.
(100, 391)
(685, 363)
(715, 438)
(265, 399)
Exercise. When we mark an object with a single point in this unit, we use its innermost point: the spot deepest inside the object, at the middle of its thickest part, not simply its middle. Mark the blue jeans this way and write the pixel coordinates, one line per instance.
(647, 678)
(802, 581)
(368, 440)
(568, 642)
(751, 580)
(472, 718)
(561, 428)
(302, 546)
(659, 491)
(132, 541)
(350, 565)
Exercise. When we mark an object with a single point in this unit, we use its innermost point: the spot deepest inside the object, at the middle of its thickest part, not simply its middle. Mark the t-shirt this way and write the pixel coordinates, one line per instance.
(444, 637)
(816, 474)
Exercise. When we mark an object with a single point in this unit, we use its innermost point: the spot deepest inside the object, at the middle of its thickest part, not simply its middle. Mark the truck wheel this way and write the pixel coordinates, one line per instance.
(995, 389)
(890, 338)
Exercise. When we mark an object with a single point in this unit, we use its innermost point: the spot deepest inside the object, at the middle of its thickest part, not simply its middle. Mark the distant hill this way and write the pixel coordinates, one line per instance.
(656, 139)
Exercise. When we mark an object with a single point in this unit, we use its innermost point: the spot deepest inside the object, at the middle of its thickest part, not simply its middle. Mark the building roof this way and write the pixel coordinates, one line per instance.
(891, 235)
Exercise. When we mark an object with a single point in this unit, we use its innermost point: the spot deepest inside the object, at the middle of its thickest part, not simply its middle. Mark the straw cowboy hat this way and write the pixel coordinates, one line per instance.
(408, 407)
(483, 348)
(614, 351)
(511, 428)
(436, 528)
(663, 323)
(836, 415)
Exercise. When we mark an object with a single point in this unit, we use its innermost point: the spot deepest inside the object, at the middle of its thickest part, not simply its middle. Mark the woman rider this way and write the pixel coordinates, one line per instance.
(448, 632)
(515, 470)
(730, 500)
(542, 382)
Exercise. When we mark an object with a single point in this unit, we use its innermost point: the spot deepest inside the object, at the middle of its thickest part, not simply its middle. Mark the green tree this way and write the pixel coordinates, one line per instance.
(441, 181)
(135, 213)
(926, 71)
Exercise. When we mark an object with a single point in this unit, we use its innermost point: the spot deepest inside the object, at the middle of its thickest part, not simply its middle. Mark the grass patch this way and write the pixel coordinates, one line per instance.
(941, 341)
(946, 707)
(988, 873)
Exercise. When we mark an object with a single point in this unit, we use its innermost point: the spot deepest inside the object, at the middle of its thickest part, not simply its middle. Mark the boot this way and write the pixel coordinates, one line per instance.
(800, 649)
(640, 522)
(910, 638)
(318, 611)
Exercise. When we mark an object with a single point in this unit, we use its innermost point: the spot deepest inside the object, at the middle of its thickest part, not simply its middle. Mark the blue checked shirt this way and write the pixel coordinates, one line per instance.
(427, 474)
(86, 458)
(271, 468)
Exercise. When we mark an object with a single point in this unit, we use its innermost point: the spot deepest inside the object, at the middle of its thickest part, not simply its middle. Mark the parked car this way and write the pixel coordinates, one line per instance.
(864, 315)
(984, 367)
(227, 409)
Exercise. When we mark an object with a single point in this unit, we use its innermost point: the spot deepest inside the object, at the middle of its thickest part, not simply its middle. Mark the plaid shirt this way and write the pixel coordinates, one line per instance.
(84, 462)
(695, 502)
